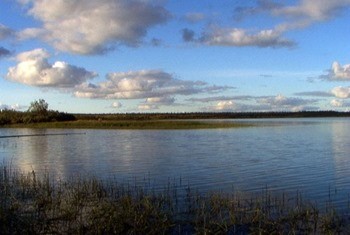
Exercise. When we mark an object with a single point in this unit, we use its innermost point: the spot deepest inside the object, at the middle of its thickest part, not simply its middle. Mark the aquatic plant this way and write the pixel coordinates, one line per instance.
(31, 204)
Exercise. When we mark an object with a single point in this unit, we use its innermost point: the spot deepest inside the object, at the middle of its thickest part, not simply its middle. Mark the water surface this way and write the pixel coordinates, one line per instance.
(285, 155)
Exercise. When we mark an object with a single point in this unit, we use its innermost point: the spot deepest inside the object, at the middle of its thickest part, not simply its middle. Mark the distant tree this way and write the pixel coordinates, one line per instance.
(38, 111)
(39, 106)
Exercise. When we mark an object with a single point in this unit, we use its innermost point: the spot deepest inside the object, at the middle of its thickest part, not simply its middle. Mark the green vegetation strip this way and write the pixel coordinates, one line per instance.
(125, 124)
(39, 205)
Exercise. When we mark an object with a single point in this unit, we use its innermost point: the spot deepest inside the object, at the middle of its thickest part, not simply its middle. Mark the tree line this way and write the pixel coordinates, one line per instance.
(38, 111)
(210, 115)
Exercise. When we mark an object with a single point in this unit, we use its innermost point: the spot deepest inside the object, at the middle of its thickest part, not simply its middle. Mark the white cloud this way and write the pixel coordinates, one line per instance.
(93, 27)
(341, 92)
(241, 38)
(298, 16)
(117, 105)
(225, 105)
(337, 72)
(34, 69)
(308, 12)
(153, 103)
(280, 100)
(147, 107)
(263, 104)
(340, 104)
(303, 14)
(29, 33)
(150, 84)
(231, 106)
(313, 10)
(337, 103)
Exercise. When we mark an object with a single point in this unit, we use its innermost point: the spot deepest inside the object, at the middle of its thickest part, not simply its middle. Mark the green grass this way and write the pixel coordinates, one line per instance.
(85, 205)
(131, 124)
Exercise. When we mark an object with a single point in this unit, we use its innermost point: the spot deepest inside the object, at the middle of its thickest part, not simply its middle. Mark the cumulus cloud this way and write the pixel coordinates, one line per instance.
(225, 105)
(147, 107)
(314, 10)
(337, 103)
(30, 33)
(5, 32)
(233, 106)
(34, 69)
(241, 38)
(153, 103)
(308, 12)
(256, 103)
(116, 105)
(303, 14)
(4, 52)
(281, 102)
(337, 72)
(93, 27)
(143, 84)
(341, 92)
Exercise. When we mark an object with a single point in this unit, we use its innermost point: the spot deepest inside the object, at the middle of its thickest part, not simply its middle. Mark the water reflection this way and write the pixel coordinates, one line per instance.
(309, 155)
(341, 150)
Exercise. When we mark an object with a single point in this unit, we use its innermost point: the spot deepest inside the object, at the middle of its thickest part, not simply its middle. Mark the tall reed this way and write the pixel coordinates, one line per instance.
(86, 205)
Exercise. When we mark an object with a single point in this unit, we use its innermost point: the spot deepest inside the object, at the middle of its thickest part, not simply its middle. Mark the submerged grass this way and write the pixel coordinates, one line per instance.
(38, 205)
(135, 124)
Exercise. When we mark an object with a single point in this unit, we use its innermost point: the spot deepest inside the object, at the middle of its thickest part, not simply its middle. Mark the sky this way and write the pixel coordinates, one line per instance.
(131, 56)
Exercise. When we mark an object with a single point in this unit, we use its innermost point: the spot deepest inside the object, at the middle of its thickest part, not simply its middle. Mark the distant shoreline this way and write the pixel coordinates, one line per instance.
(131, 125)
(210, 115)
(166, 121)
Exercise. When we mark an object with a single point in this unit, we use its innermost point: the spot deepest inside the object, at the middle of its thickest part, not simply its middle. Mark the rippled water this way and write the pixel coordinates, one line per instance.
(308, 155)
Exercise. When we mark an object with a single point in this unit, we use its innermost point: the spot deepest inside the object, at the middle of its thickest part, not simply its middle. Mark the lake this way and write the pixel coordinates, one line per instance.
(310, 156)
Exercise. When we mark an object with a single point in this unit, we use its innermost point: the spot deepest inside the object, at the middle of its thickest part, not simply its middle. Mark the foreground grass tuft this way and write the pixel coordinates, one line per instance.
(39, 205)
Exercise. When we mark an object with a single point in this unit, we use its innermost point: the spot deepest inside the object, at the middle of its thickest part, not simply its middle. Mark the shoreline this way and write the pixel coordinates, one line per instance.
(148, 121)
(133, 124)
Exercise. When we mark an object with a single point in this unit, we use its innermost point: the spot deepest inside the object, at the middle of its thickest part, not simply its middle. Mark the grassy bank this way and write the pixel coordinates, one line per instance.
(133, 124)
(38, 205)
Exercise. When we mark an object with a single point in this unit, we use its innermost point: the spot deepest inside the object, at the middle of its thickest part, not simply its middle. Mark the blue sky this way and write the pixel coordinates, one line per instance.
(118, 56)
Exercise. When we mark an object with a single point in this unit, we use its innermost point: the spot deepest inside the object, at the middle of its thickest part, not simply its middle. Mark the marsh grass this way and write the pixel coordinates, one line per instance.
(85, 205)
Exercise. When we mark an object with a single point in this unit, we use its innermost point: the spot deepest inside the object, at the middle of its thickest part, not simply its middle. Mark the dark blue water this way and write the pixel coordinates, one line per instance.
(284, 155)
